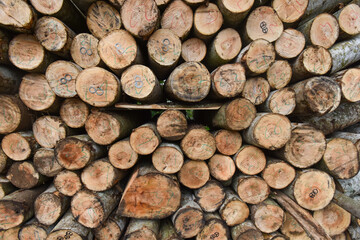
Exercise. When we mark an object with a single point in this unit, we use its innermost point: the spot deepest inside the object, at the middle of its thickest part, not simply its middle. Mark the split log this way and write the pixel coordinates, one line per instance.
(61, 77)
(102, 18)
(19, 146)
(122, 156)
(54, 36)
(10, 78)
(278, 174)
(6, 187)
(68, 182)
(227, 142)
(48, 130)
(221, 167)
(84, 50)
(98, 87)
(188, 82)
(168, 231)
(50, 206)
(34, 230)
(17, 15)
(256, 90)
(140, 83)
(36, 93)
(279, 74)
(268, 130)
(233, 210)
(251, 189)
(18, 207)
(207, 21)
(214, 227)
(290, 11)
(210, 196)
(257, 57)
(189, 219)
(267, 216)
(194, 174)
(24, 175)
(349, 21)
(250, 160)
(119, 50)
(100, 175)
(5, 162)
(234, 12)
(145, 139)
(172, 125)
(45, 162)
(290, 43)
(193, 50)
(349, 82)
(246, 231)
(168, 158)
(282, 101)
(91, 209)
(76, 152)
(292, 228)
(323, 30)
(142, 229)
(112, 229)
(316, 95)
(26, 53)
(74, 112)
(178, 17)
(140, 18)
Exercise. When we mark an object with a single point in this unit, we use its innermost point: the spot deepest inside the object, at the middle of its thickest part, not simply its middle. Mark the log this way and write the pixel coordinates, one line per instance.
(149, 194)
(12, 233)
(26, 53)
(355, 128)
(292, 228)
(290, 43)
(178, 17)
(19, 146)
(168, 231)
(45, 162)
(214, 227)
(6, 187)
(84, 50)
(100, 175)
(84, 5)
(349, 83)
(194, 3)
(140, 83)
(102, 18)
(274, 236)
(267, 216)
(193, 50)
(234, 12)
(250, 160)
(221, 167)
(48, 130)
(210, 196)
(76, 152)
(145, 139)
(256, 90)
(68, 182)
(113, 228)
(98, 87)
(5, 38)
(194, 174)
(282, 101)
(10, 78)
(268, 130)
(246, 231)
(257, 57)
(227, 81)
(18, 207)
(61, 77)
(142, 229)
(354, 230)
(140, 18)
(74, 112)
(349, 204)
(33, 230)
(290, 11)
(24, 175)
(18, 16)
(36, 93)
(278, 174)
(233, 210)
(188, 82)
(168, 158)
(118, 49)
(54, 36)
(353, 137)
(189, 219)
(91, 209)
(251, 189)
(316, 96)
(172, 125)
(5, 162)
(227, 142)
(121, 155)
(198, 143)
(50, 206)
(207, 21)
(279, 74)
(348, 18)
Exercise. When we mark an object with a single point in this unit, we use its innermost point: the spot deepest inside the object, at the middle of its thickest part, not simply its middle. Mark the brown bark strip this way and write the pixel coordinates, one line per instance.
(10, 77)
(24, 175)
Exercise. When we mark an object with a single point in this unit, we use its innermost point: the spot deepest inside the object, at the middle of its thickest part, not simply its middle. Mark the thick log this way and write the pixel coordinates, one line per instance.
(267, 216)
(6, 187)
(227, 142)
(246, 231)
(349, 82)
(84, 50)
(61, 77)
(278, 174)
(68, 182)
(142, 229)
(210, 196)
(36, 93)
(140, 83)
(193, 50)
(168, 231)
(48, 130)
(45, 162)
(349, 21)
(290, 11)
(168, 158)
(233, 210)
(19, 146)
(221, 167)
(112, 229)
(18, 207)
(256, 90)
(74, 112)
(279, 74)
(10, 78)
(54, 36)
(33, 230)
(234, 12)
(140, 18)
(194, 174)
(214, 227)
(178, 17)
(145, 139)
(17, 15)
(282, 101)
(172, 125)
(102, 18)
(250, 160)
(122, 156)
(290, 43)
(207, 21)
(251, 189)
(189, 82)
(292, 228)
(24, 175)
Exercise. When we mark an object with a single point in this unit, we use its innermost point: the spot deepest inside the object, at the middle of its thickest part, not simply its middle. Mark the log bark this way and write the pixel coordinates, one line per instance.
(246, 231)
(349, 83)
(112, 229)
(19, 146)
(290, 11)
(193, 50)
(5, 162)
(142, 229)
(145, 139)
(349, 204)
(227, 142)
(292, 228)
(290, 43)
(251, 189)
(267, 216)
(250, 160)
(207, 21)
(10, 78)
(214, 227)
(279, 74)
(68, 182)
(194, 174)
(45, 162)
(172, 125)
(24, 175)
(234, 12)
(5, 38)
(74, 112)
(122, 156)
(348, 18)
(210, 196)
(221, 167)
(17, 16)
(168, 231)
(6, 187)
(256, 90)
(278, 174)
(84, 50)
(282, 101)
(233, 210)
(168, 158)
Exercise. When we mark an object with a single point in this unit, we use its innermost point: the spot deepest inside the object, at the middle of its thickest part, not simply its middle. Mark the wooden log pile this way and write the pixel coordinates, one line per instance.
(180, 119)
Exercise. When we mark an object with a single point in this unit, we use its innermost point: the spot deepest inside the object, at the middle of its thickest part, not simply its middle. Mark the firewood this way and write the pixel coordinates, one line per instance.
(349, 83)
(290, 11)
(282, 101)
(145, 139)
(45, 162)
(168, 231)
(68, 182)
(121, 155)
(193, 50)
(256, 90)
(10, 79)
(233, 210)
(19, 146)
(234, 12)
(214, 227)
(251, 189)
(74, 112)
(292, 229)
(210, 196)
(279, 74)
(278, 174)
(84, 50)
(267, 216)
(17, 16)
(194, 174)
(207, 21)
(348, 18)
(112, 229)
(168, 158)
(250, 160)
(227, 142)
(6, 187)
(24, 175)
(142, 229)
(172, 125)
(221, 167)
(246, 231)
(290, 43)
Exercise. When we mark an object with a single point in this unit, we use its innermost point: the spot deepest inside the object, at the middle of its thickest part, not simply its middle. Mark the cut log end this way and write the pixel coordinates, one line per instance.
(16, 146)
(235, 212)
(253, 190)
(74, 112)
(324, 30)
(45, 162)
(189, 222)
(84, 50)
(172, 125)
(256, 90)
(290, 11)
(350, 84)
(279, 74)
(48, 208)
(60, 234)
(250, 160)
(267, 217)
(317, 60)
(48, 130)
(292, 229)
(193, 50)
(213, 229)
(349, 20)
(67, 183)
(12, 214)
(278, 175)
(194, 174)
(23, 175)
(221, 167)
(122, 156)
(32, 232)
(168, 158)
(228, 142)
(145, 139)
(210, 196)
(290, 44)
(282, 101)
(207, 20)
(12, 114)
(47, 7)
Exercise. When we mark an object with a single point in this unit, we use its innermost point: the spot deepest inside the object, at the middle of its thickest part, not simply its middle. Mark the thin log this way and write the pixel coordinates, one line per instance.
(48, 130)
(12, 233)
(267, 216)
(193, 50)
(221, 167)
(210, 196)
(246, 231)
(278, 174)
(279, 74)
(84, 50)
(282, 101)
(19, 146)
(45, 162)
(250, 160)
(256, 90)
(290, 11)
(234, 12)
(290, 43)
(24, 175)
(122, 156)
(194, 174)
(168, 158)
(68, 182)
(142, 229)
(10, 78)
(227, 142)
(349, 21)
(349, 82)
(74, 112)
(207, 21)
(251, 189)
(113, 228)
(233, 210)
(172, 125)
(145, 139)
(17, 15)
